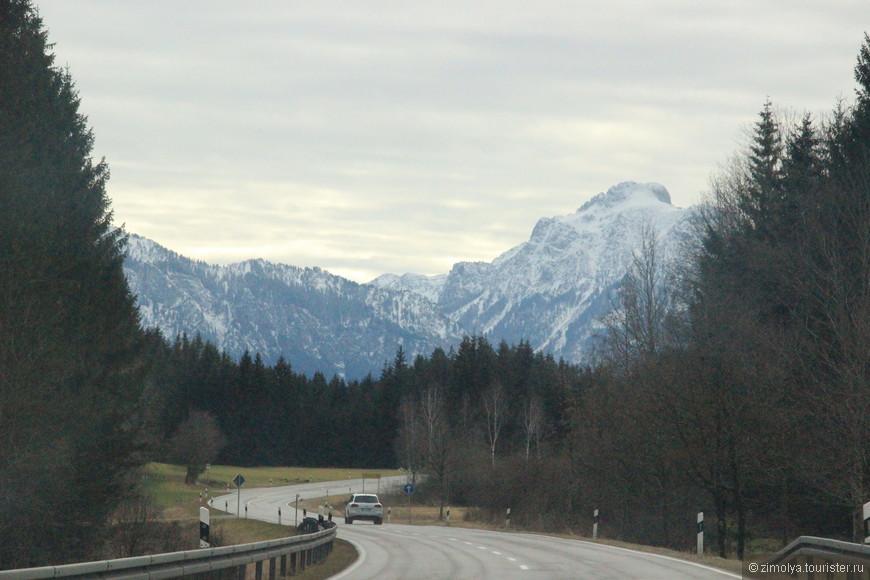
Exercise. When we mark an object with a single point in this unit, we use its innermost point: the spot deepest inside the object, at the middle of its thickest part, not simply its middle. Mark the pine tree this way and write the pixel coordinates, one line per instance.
(69, 330)
(762, 198)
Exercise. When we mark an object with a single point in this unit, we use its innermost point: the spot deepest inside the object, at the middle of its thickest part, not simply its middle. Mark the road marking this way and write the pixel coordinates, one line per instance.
(523, 567)
(496, 553)
(512, 559)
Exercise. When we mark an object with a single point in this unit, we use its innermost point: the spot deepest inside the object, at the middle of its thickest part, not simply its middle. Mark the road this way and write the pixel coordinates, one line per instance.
(402, 552)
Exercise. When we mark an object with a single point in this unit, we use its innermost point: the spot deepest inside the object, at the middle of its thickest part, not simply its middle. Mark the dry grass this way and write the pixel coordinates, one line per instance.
(180, 502)
(396, 508)
(343, 555)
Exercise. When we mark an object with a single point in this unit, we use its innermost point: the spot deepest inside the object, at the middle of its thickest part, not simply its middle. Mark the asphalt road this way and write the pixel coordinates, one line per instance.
(403, 552)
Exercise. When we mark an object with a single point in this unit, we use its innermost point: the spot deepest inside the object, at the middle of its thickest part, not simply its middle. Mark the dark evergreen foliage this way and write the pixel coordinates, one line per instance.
(274, 416)
(70, 376)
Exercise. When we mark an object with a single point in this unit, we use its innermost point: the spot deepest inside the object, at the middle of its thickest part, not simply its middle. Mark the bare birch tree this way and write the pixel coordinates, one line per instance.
(495, 413)
(533, 420)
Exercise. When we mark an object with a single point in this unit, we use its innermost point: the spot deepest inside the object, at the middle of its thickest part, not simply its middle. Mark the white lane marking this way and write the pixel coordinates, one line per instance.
(512, 559)
(496, 553)
(523, 567)
(481, 547)
(453, 539)
(361, 557)
(650, 554)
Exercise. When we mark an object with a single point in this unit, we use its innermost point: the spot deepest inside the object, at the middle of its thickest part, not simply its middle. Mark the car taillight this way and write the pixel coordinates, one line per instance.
(378, 505)
(353, 505)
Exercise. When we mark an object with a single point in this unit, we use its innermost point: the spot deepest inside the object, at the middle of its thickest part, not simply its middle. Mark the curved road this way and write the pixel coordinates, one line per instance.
(399, 552)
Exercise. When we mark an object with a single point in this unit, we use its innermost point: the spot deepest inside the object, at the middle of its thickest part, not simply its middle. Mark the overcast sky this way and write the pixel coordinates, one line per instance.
(405, 136)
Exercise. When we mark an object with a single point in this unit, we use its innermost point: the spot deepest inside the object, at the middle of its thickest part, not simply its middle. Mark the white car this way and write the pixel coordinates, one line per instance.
(364, 506)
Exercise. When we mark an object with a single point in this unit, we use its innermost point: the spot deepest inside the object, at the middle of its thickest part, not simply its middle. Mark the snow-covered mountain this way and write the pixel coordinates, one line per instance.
(550, 291)
(553, 289)
(317, 321)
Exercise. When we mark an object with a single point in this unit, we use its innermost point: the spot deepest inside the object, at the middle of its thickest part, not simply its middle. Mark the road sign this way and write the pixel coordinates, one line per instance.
(239, 480)
(409, 489)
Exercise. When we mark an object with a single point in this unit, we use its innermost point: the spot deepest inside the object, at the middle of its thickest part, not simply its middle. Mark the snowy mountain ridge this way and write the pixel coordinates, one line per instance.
(550, 291)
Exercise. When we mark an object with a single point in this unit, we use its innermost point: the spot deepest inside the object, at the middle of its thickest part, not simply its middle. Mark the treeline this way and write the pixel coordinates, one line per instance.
(740, 378)
(271, 415)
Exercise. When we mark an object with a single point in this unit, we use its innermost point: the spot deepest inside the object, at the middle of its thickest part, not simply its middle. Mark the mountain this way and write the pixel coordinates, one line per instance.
(549, 291)
(317, 321)
(552, 290)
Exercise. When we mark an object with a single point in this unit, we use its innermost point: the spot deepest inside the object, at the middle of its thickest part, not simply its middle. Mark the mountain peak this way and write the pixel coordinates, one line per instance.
(629, 192)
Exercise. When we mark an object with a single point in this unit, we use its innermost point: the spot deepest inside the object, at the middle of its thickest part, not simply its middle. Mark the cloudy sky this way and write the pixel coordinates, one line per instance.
(405, 136)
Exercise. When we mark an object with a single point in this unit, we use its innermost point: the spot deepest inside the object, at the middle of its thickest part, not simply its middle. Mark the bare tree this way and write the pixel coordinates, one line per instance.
(495, 413)
(197, 442)
(437, 440)
(636, 328)
(409, 443)
(533, 420)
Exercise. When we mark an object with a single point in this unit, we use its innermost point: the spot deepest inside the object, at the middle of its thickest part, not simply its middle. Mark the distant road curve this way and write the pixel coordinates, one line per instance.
(404, 552)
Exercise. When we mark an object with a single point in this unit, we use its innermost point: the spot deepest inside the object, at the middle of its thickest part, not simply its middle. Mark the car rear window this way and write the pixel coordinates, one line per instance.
(366, 499)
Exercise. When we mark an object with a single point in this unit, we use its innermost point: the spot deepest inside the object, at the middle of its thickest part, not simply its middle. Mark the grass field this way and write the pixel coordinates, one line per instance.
(176, 500)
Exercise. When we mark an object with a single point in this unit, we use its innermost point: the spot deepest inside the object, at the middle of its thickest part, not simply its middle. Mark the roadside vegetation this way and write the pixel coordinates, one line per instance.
(164, 515)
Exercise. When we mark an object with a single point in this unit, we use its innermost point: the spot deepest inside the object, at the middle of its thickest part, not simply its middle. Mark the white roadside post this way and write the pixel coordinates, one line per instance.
(448, 516)
(700, 533)
(203, 528)
(595, 525)
(296, 521)
(507, 518)
(867, 523)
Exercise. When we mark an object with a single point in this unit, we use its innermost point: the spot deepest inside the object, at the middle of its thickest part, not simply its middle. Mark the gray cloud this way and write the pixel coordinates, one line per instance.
(397, 136)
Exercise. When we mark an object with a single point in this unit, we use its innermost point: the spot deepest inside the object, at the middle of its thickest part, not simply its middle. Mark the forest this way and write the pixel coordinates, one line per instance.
(734, 380)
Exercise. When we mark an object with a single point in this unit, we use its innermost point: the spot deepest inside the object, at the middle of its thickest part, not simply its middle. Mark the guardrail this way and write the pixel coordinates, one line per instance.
(816, 552)
(284, 556)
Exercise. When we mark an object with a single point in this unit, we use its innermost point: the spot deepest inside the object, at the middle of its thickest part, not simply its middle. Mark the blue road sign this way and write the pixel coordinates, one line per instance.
(409, 489)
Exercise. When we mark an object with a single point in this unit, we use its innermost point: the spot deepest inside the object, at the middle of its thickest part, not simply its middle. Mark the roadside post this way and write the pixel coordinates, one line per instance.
(595, 525)
(507, 518)
(409, 489)
(701, 533)
(448, 516)
(296, 522)
(279, 516)
(389, 514)
(376, 476)
(204, 528)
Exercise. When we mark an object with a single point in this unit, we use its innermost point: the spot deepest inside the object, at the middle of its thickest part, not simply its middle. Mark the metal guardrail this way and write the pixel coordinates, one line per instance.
(824, 547)
(814, 558)
(286, 555)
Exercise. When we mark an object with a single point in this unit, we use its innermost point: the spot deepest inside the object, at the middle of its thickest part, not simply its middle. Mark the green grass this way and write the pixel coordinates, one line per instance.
(176, 499)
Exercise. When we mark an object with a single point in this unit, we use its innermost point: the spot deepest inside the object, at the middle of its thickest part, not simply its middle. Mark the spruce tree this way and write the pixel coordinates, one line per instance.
(69, 330)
